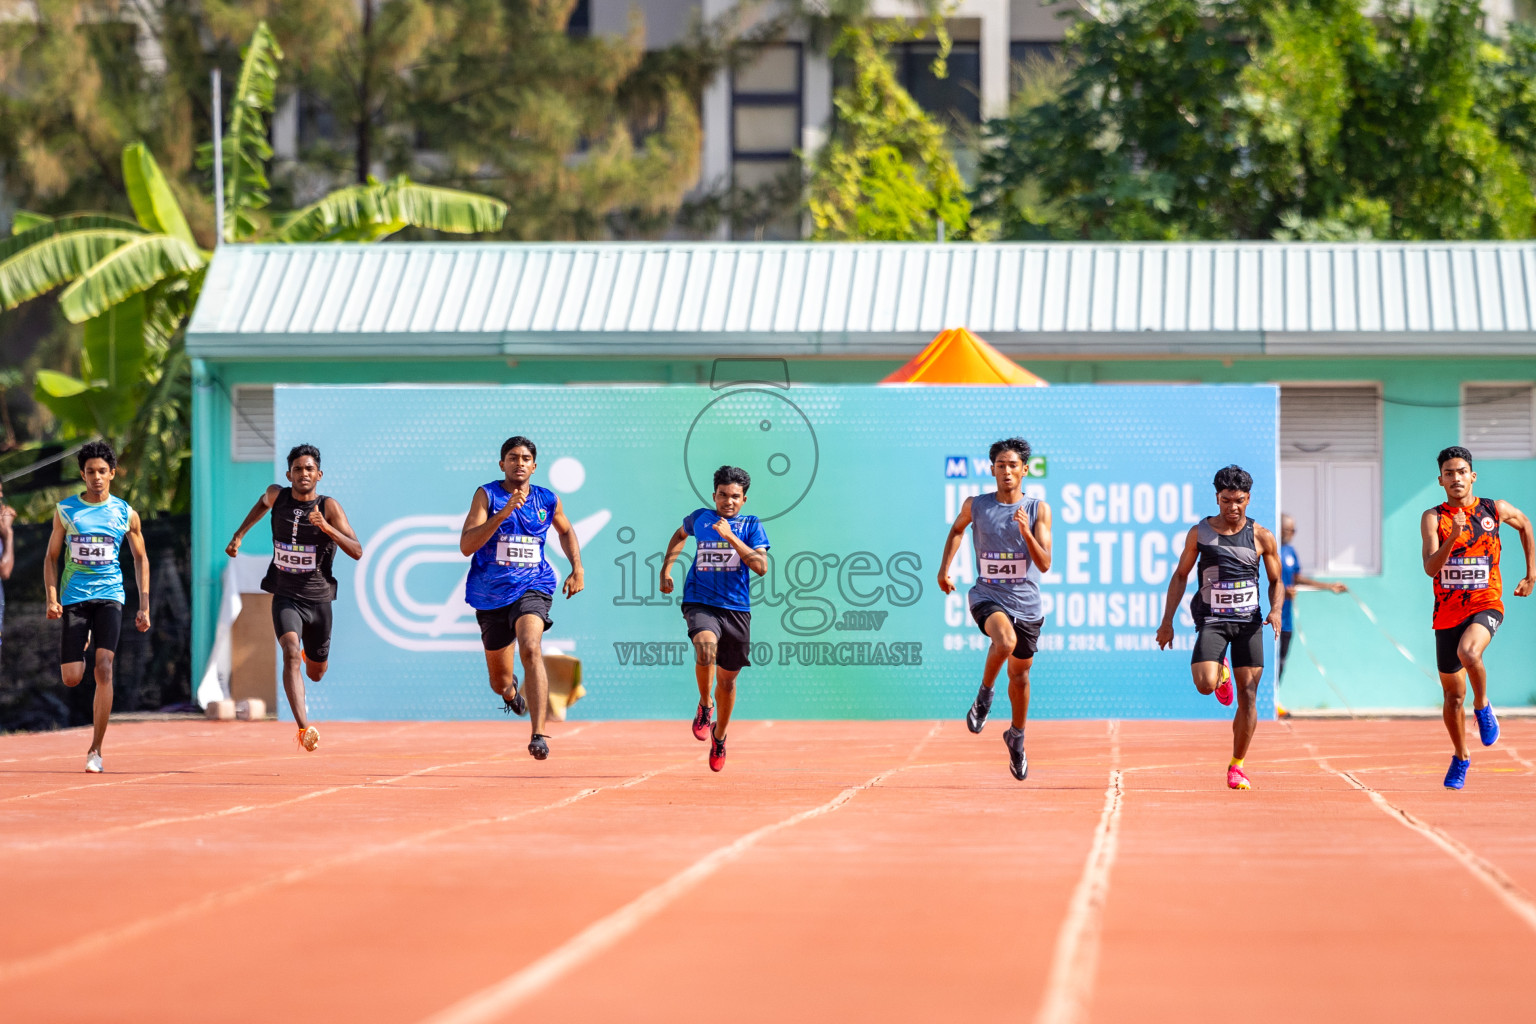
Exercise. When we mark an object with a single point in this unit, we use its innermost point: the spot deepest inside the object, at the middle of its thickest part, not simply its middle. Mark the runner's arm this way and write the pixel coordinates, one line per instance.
(674, 548)
(1038, 540)
(952, 544)
(755, 559)
(263, 504)
(571, 545)
(1270, 550)
(51, 567)
(480, 526)
(1435, 551)
(1514, 517)
(1176, 587)
(1308, 581)
(140, 569)
(7, 538)
(337, 528)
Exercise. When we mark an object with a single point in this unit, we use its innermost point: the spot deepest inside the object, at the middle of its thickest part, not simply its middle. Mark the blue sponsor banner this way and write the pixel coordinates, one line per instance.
(856, 487)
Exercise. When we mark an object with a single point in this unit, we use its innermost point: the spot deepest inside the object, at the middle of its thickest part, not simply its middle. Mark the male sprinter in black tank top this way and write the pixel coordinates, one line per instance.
(1226, 609)
(307, 528)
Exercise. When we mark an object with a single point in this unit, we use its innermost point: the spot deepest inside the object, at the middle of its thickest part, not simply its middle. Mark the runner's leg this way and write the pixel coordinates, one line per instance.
(293, 678)
(1474, 641)
(530, 645)
(1003, 641)
(1018, 688)
(1246, 681)
(501, 668)
(725, 698)
(1207, 675)
(705, 647)
(1454, 710)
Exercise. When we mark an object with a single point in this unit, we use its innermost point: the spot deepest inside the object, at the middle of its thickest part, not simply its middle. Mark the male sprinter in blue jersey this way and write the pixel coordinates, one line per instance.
(717, 598)
(88, 530)
(1012, 537)
(511, 584)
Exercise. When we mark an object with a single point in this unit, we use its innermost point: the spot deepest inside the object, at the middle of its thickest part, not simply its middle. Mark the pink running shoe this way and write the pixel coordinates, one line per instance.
(703, 718)
(1224, 688)
(1236, 779)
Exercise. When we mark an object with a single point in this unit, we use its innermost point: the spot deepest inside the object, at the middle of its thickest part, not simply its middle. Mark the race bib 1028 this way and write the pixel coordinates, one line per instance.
(91, 549)
(294, 557)
(1234, 597)
(1466, 573)
(716, 556)
(1004, 567)
(517, 549)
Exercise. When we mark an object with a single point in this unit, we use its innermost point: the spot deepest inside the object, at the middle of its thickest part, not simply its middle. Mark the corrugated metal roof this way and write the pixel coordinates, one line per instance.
(866, 299)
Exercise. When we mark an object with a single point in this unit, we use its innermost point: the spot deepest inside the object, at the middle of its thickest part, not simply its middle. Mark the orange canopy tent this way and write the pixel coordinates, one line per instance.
(957, 356)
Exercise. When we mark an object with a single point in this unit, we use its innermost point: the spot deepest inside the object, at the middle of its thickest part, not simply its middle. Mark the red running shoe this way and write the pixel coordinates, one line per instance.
(703, 718)
(716, 753)
(1224, 688)
(1236, 779)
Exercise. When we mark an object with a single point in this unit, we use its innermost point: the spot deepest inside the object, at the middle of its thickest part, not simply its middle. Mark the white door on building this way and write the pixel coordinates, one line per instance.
(1330, 475)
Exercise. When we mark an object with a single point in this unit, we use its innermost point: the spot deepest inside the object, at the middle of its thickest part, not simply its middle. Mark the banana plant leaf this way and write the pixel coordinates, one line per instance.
(128, 270)
(154, 204)
(360, 211)
(43, 257)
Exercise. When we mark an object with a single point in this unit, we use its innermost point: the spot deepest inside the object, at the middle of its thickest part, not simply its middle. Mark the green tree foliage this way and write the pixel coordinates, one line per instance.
(1313, 119)
(886, 173)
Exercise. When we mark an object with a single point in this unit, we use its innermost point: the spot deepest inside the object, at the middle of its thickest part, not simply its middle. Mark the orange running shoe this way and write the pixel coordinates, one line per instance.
(1224, 688)
(1236, 779)
(309, 738)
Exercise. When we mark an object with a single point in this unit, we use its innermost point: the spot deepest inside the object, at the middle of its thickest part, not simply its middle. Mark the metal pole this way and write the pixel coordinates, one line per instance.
(218, 158)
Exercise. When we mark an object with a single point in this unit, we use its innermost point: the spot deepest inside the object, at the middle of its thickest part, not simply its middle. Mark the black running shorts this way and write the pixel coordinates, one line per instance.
(498, 626)
(97, 623)
(310, 619)
(1447, 640)
(732, 629)
(1026, 635)
(1245, 638)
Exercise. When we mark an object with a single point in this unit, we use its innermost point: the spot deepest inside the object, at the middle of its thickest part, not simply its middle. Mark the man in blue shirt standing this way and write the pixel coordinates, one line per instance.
(717, 599)
(1291, 577)
(88, 531)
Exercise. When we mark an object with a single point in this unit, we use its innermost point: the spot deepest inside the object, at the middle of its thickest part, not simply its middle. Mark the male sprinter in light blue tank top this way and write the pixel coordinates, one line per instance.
(88, 531)
(1226, 610)
(511, 583)
(1012, 536)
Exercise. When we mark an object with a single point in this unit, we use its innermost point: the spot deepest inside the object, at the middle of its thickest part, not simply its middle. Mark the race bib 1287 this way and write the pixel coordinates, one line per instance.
(1234, 597)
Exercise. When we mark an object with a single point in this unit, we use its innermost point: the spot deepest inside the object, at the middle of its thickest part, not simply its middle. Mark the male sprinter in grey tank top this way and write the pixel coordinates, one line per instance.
(1012, 535)
(1230, 547)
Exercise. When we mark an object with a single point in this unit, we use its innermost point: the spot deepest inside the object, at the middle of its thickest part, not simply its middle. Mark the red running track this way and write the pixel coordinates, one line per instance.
(836, 871)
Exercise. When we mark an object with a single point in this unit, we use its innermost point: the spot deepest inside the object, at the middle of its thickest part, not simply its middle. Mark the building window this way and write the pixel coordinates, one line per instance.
(767, 111)
(955, 99)
(251, 424)
(1498, 421)
(1330, 475)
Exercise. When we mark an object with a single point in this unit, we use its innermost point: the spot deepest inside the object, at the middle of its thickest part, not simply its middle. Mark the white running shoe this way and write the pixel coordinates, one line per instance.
(93, 762)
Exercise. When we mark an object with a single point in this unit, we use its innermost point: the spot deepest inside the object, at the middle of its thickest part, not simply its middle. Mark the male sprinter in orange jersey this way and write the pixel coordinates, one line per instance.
(307, 528)
(717, 599)
(1230, 547)
(1461, 554)
(1011, 534)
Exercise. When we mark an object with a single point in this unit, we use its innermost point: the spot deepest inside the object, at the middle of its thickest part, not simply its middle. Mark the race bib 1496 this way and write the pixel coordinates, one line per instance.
(294, 557)
(1234, 597)
(91, 549)
(517, 549)
(1003, 566)
(1467, 573)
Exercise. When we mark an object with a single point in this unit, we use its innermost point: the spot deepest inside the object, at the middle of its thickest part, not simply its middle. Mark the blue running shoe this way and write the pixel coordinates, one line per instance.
(1487, 725)
(1456, 776)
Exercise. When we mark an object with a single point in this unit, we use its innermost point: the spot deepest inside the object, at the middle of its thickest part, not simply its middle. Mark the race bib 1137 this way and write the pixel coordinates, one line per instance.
(716, 556)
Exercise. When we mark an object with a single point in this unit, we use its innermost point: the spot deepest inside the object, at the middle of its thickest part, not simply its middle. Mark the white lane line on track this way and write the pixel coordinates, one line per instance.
(1075, 964)
(1512, 752)
(108, 937)
(1501, 885)
(606, 932)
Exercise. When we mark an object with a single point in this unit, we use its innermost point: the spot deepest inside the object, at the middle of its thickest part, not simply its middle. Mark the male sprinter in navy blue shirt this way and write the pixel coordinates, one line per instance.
(717, 598)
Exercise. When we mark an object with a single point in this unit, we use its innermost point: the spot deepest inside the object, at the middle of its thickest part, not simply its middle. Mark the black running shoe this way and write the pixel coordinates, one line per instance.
(515, 705)
(1017, 762)
(981, 707)
(538, 748)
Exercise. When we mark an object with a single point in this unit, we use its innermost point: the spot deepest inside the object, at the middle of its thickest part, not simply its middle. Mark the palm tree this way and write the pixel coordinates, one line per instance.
(134, 283)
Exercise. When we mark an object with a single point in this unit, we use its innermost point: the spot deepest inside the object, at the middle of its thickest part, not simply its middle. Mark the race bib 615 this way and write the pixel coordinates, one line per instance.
(517, 549)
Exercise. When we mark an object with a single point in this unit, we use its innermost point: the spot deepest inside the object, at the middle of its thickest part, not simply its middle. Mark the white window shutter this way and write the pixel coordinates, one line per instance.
(1330, 423)
(1330, 475)
(1498, 421)
(252, 423)
(1352, 522)
(1301, 498)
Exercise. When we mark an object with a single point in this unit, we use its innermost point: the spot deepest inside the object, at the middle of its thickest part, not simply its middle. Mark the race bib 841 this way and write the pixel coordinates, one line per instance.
(91, 549)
